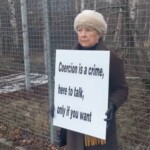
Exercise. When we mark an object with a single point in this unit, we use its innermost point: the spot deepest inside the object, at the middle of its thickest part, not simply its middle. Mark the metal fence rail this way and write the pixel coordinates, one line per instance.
(31, 31)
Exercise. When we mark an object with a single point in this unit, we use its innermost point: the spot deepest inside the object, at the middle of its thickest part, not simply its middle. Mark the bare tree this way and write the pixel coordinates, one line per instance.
(118, 28)
(77, 6)
(82, 4)
(95, 2)
(13, 22)
(0, 37)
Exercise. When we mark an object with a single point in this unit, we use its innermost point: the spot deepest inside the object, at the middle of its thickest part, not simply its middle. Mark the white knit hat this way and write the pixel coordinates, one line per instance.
(91, 18)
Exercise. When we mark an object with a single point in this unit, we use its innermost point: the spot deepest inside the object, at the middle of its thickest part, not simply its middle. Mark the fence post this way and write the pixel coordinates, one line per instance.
(45, 34)
(48, 62)
(25, 43)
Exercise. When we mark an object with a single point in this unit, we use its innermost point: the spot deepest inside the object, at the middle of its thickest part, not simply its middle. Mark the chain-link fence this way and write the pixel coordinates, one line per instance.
(31, 31)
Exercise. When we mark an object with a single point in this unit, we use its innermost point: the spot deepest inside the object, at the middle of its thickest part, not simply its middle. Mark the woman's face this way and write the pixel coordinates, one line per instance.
(87, 36)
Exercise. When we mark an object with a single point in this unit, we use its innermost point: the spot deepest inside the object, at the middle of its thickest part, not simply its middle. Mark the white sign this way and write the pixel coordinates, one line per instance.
(81, 91)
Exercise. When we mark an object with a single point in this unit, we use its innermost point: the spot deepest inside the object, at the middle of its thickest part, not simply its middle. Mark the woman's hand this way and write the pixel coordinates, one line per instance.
(110, 113)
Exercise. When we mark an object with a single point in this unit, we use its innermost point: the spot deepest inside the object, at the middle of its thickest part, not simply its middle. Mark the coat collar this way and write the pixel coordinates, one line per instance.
(100, 46)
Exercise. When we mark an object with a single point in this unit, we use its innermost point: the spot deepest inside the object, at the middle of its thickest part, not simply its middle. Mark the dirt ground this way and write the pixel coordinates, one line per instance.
(16, 137)
(25, 120)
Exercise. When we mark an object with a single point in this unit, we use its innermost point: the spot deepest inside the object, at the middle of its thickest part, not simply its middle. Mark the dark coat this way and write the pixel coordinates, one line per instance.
(118, 92)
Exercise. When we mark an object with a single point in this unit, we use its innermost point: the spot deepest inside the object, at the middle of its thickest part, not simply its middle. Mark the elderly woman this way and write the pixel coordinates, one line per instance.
(90, 27)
